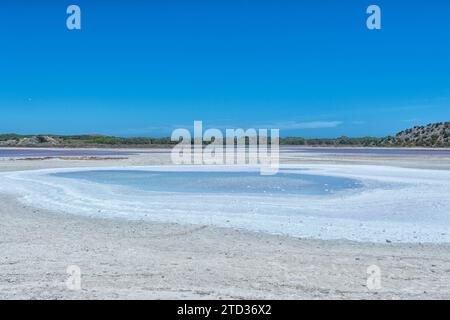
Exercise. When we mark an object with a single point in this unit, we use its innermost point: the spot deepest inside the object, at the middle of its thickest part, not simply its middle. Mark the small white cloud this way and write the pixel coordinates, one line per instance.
(293, 125)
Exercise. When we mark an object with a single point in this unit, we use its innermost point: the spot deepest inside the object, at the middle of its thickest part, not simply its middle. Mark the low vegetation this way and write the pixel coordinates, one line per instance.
(432, 135)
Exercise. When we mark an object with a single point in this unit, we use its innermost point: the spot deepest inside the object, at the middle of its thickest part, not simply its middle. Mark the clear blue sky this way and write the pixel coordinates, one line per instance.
(141, 68)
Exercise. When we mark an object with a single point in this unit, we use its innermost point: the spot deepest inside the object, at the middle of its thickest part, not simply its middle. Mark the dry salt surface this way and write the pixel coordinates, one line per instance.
(398, 222)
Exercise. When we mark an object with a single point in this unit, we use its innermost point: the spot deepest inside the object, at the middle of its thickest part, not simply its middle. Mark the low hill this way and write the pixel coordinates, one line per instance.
(432, 135)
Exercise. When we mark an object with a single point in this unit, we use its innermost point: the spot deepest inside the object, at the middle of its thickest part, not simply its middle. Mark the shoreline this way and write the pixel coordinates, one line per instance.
(165, 147)
(370, 214)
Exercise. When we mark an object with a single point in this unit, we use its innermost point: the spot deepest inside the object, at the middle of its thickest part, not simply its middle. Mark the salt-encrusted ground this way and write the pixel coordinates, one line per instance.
(139, 259)
(395, 204)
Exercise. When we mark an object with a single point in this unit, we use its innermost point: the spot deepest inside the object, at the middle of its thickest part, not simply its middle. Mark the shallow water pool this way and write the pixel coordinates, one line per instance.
(218, 182)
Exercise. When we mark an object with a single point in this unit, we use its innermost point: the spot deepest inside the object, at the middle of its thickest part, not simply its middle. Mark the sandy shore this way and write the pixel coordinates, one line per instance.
(122, 259)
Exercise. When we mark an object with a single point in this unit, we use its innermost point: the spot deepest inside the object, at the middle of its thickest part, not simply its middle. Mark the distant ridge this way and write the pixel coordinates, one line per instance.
(434, 135)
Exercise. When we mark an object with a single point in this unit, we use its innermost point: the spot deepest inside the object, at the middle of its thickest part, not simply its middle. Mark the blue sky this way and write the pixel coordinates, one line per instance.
(143, 68)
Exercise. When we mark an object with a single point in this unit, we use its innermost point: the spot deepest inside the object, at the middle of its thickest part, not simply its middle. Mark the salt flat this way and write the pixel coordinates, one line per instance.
(142, 259)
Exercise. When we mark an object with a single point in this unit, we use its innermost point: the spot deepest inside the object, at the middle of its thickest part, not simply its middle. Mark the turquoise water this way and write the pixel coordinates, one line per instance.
(218, 182)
